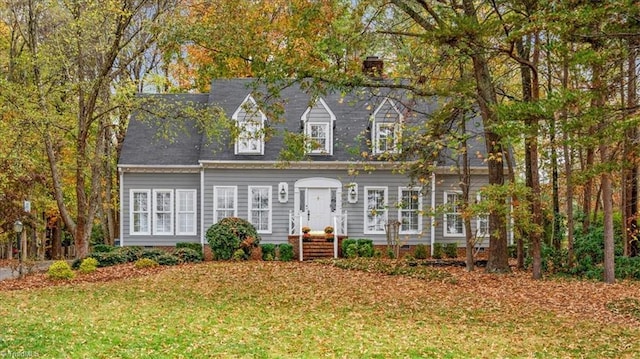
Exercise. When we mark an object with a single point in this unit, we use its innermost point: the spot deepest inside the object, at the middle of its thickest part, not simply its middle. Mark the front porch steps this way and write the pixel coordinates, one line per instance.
(317, 247)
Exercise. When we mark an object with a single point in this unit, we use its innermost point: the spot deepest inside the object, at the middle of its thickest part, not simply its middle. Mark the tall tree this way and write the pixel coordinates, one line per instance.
(74, 51)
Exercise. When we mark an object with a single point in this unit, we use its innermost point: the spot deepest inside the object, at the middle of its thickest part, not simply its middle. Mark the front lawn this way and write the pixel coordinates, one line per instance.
(275, 309)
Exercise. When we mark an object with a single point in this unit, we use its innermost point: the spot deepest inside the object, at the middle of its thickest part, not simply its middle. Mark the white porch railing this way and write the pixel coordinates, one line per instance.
(338, 220)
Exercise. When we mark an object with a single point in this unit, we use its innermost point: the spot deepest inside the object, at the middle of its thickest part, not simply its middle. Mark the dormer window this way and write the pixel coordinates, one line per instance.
(250, 123)
(387, 128)
(318, 121)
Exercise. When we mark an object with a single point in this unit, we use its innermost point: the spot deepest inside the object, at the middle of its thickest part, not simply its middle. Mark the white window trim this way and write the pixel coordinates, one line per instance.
(375, 136)
(419, 210)
(445, 233)
(328, 145)
(396, 138)
(366, 205)
(263, 119)
(194, 213)
(328, 150)
(270, 207)
(171, 212)
(132, 192)
(215, 202)
(479, 233)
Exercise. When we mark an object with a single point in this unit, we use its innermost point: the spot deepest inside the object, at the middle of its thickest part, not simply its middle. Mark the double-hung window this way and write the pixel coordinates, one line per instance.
(140, 219)
(453, 222)
(163, 212)
(482, 219)
(318, 137)
(224, 202)
(387, 122)
(375, 206)
(260, 208)
(386, 140)
(409, 210)
(186, 212)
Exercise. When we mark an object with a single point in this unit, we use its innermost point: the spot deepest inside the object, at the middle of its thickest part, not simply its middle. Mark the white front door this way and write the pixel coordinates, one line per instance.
(319, 208)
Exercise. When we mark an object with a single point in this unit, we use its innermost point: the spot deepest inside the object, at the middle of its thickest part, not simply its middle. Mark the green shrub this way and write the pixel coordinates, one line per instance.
(88, 265)
(191, 245)
(106, 259)
(285, 252)
(188, 255)
(132, 253)
(451, 250)
(231, 234)
(365, 248)
(352, 250)
(345, 244)
(421, 252)
(627, 267)
(145, 263)
(167, 259)
(97, 235)
(102, 248)
(75, 265)
(152, 253)
(438, 251)
(268, 251)
(239, 255)
(60, 270)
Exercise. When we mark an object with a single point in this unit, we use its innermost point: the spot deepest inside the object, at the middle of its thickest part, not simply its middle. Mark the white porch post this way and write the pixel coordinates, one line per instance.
(433, 209)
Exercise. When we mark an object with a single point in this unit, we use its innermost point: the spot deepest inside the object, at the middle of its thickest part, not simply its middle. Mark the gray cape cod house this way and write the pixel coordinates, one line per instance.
(174, 184)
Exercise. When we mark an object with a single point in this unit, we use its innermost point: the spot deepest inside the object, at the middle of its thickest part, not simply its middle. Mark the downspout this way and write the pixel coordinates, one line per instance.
(120, 172)
(202, 206)
(433, 208)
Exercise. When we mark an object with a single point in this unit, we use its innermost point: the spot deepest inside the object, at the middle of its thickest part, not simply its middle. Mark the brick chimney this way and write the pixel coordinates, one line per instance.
(372, 66)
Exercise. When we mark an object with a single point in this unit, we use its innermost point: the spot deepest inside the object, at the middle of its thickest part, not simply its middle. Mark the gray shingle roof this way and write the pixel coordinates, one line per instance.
(154, 137)
(351, 129)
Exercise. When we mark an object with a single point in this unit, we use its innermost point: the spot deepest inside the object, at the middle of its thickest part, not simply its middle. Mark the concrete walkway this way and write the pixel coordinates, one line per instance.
(40, 266)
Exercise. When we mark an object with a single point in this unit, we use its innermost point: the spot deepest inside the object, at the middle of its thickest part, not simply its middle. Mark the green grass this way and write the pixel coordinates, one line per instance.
(286, 310)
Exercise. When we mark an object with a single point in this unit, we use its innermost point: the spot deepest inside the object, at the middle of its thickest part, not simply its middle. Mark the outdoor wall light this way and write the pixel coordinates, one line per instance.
(283, 192)
(352, 193)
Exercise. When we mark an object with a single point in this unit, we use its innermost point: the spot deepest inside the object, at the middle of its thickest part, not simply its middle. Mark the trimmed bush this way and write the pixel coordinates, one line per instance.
(152, 253)
(75, 265)
(188, 255)
(268, 251)
(167, 259)
(353, 248)
(230, 235)
(345, 244)
(421, 252)
(88, 265)
(107, 259)
(365, 248)
(145, 263)
(285, 252)
(195, 246)
(239, 255)
(60, 270)
(451, 250)
(132, 253)
(438, 251)
(102, 248)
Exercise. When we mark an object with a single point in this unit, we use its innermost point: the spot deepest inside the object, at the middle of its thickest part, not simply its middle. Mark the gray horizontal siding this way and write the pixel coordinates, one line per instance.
(451, 183)
(151, 181)
(243, 178)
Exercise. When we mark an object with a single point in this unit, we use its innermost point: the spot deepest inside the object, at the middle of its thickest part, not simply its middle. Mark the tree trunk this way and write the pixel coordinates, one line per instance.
(630, 176)
(607, 208)
(487, 101)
